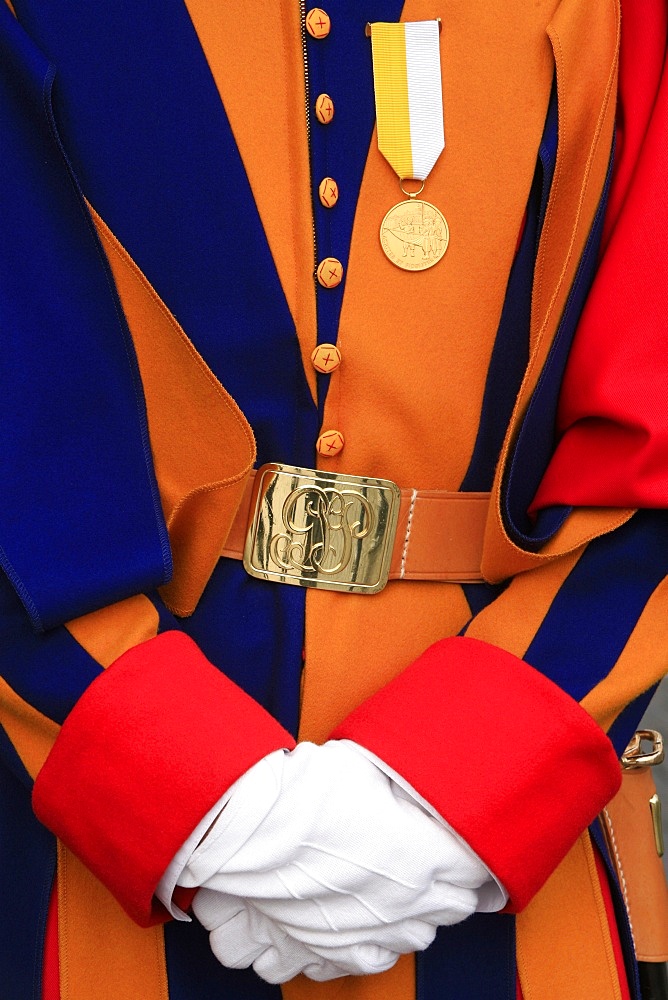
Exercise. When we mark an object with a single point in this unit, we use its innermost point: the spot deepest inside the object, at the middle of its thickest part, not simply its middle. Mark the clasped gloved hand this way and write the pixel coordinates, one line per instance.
(320, 863)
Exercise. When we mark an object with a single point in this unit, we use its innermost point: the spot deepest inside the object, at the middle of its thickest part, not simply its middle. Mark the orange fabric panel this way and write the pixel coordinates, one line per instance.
(389, 396)
(416, 346)
(638, 666)
(395, 426)
(31, 733)
(355, 644)
(555, 958)
(108, 633)
(587, 87)
(586, 83)
(513, 619)
(396, 984)
(612, 924)
(203, 447)
(267, 114)
(501, 558)
(103, 954)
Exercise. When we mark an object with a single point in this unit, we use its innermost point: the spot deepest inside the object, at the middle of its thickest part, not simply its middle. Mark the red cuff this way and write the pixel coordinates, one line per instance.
(148, 749)
(512, 763)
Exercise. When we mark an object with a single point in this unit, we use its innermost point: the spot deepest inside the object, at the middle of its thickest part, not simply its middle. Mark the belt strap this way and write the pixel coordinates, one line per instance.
(632, 826)
(439, 535)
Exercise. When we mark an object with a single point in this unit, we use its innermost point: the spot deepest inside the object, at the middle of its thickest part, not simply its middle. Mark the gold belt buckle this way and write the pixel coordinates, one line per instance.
(321, 529)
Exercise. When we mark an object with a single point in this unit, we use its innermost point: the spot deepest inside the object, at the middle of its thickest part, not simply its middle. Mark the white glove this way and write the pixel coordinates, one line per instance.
(321, 863)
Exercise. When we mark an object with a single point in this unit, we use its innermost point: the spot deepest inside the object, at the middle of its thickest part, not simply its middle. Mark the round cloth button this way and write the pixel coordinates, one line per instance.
(329, 443)
(318, 23)
(324, 109)
(326, 358)
(330, 272)
(328, 190)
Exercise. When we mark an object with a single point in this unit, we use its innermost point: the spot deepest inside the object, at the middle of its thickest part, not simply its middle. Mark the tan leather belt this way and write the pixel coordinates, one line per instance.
(327, 530)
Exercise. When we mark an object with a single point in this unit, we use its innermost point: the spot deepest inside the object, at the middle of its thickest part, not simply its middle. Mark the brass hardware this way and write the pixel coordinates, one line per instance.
(655, 809)
(321, 529)
(410, 194)
(634, 757)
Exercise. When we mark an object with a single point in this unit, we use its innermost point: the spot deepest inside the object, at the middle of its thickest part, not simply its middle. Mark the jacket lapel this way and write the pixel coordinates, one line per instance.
(260, 78)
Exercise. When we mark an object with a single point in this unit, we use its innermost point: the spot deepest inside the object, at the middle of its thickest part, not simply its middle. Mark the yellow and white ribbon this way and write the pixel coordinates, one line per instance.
(409, 96)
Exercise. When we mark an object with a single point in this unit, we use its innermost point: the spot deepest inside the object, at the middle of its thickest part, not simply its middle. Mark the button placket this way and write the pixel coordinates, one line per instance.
(330, 271)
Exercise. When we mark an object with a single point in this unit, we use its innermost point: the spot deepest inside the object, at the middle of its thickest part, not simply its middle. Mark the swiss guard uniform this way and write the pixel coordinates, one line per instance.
(193, 287)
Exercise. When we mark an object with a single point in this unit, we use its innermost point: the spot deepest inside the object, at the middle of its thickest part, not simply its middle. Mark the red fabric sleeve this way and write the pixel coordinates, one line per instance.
(518, 773)
(148, 749)
(612, 421)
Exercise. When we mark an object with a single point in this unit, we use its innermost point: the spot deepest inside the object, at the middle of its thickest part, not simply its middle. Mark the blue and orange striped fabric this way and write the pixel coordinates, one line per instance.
(163, 227)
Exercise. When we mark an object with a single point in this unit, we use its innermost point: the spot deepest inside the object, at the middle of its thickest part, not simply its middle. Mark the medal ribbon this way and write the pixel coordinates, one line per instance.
(409, 96)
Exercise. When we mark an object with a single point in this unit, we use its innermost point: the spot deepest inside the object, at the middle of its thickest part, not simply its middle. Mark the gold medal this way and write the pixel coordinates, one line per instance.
(414, 235)
(409, 118)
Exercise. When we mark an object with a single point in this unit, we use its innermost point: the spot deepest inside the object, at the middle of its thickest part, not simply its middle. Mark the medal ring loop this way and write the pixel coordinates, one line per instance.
(410, 194)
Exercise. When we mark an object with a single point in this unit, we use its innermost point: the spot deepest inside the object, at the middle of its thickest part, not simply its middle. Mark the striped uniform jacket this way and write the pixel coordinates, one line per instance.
(161, 228)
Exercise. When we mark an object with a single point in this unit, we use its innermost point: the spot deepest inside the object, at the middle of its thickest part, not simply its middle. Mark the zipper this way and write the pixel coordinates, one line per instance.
(307, 91)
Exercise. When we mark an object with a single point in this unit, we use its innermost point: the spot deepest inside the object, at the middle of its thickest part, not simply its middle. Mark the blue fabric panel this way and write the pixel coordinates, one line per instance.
(48, 670)
(166, 620)
(261, 645)
(253, 631)
(340, 66)
(479, 595)
(474, 960)
(511, 347)
(598, 605)
(170, 183)
(629, 720)
(535, 441)
(74, 457)
(28, 858)
(12, 761)
(194, 972)
(143, 123)
(625, 935)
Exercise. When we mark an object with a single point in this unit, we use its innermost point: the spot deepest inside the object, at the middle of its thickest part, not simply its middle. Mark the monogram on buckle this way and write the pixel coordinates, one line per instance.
(321, 529)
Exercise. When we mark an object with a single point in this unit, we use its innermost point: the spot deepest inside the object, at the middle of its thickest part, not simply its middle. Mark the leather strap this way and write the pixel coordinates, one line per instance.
(628, 826)
(439, 535)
